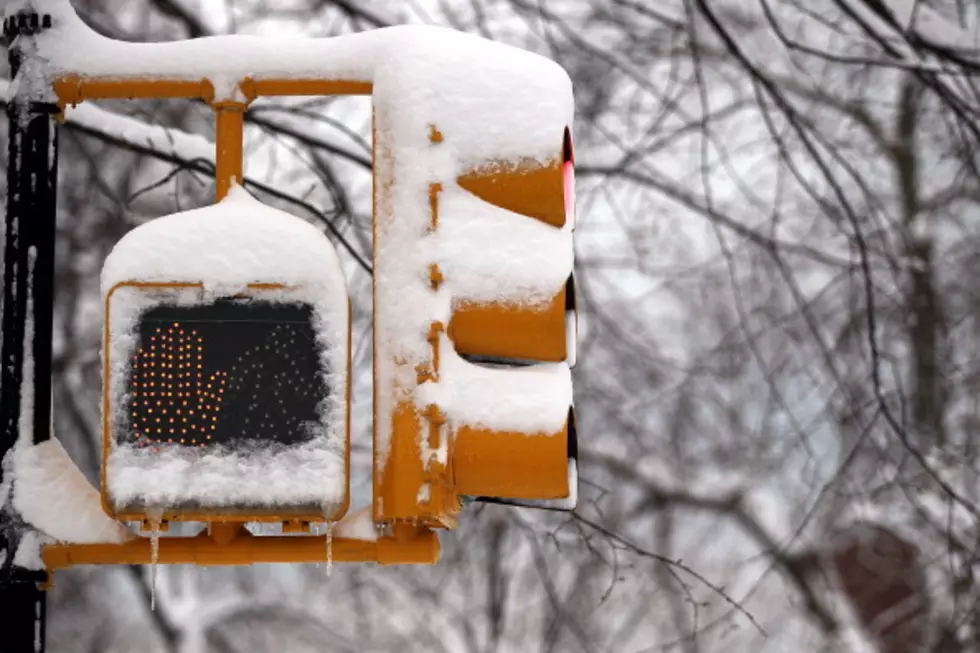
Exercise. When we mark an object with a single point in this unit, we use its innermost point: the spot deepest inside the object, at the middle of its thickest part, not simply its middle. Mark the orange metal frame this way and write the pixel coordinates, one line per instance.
(231, 544)
(72, 89)
(226, 542)
(477, 460)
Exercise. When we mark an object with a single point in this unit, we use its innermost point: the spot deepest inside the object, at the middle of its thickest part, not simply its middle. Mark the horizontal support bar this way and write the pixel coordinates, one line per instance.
(253, 88)
(246, 549)
(73, 89)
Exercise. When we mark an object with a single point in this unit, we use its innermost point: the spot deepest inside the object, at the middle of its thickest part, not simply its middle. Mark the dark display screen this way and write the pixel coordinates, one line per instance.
(226, 373)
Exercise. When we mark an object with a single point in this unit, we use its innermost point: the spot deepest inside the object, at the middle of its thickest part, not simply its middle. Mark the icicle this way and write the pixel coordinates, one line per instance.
(154, 557)
(329, 539)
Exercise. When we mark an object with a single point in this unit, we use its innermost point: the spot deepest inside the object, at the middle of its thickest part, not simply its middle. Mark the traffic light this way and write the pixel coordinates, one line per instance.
(226, 336)
(226, 359)
(516, 467)
(474, 296)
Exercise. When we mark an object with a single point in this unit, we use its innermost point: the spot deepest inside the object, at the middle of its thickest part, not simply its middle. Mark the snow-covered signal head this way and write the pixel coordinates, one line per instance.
(226, 361)
(474, 300)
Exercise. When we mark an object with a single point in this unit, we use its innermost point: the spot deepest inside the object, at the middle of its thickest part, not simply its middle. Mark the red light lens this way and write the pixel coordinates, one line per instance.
(568, 176)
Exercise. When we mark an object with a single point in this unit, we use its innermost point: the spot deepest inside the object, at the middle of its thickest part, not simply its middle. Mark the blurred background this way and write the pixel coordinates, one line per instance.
(777, 380)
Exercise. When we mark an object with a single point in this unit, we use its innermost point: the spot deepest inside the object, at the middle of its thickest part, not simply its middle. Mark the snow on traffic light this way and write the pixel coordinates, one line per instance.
(474, 298)
(226, 362)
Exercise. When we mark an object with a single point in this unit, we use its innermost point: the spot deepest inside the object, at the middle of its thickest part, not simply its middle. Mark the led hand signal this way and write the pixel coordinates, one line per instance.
(174, 401)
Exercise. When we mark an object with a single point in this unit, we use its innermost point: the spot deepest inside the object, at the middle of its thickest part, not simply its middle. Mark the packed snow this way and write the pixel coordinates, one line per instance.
(411, 64)
(297, 475)
(489, 254)
(40, 481)
(25, 425)
(226, 247)
(28, 553)
(53, 496)
(357, 525)
(534, 399)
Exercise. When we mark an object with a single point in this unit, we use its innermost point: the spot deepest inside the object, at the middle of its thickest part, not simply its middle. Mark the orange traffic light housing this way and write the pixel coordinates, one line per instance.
(484, 410)
(472, 380)
(226, 370)
(513, 465)
(534, 331)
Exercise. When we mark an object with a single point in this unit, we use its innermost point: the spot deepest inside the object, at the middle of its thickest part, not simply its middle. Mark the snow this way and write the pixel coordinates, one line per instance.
(357, 525)
(32, 79)
(307, 475)
(52, 495)
(28, 554)
(490, 254)
(25, 425)
(396, 59)
(225, 247)
(40, 481)
(136, 132)
(534, 399)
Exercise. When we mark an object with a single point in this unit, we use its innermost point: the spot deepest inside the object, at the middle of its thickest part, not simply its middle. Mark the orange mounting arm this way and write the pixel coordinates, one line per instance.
(73, 89)
(231, 544)
(230, 132)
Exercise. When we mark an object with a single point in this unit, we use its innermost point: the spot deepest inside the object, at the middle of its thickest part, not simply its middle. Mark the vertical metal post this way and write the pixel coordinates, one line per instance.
(230, 133)
(28, 305)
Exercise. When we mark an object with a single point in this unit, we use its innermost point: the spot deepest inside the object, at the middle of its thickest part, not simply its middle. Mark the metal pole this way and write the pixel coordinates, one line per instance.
(28, 304)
